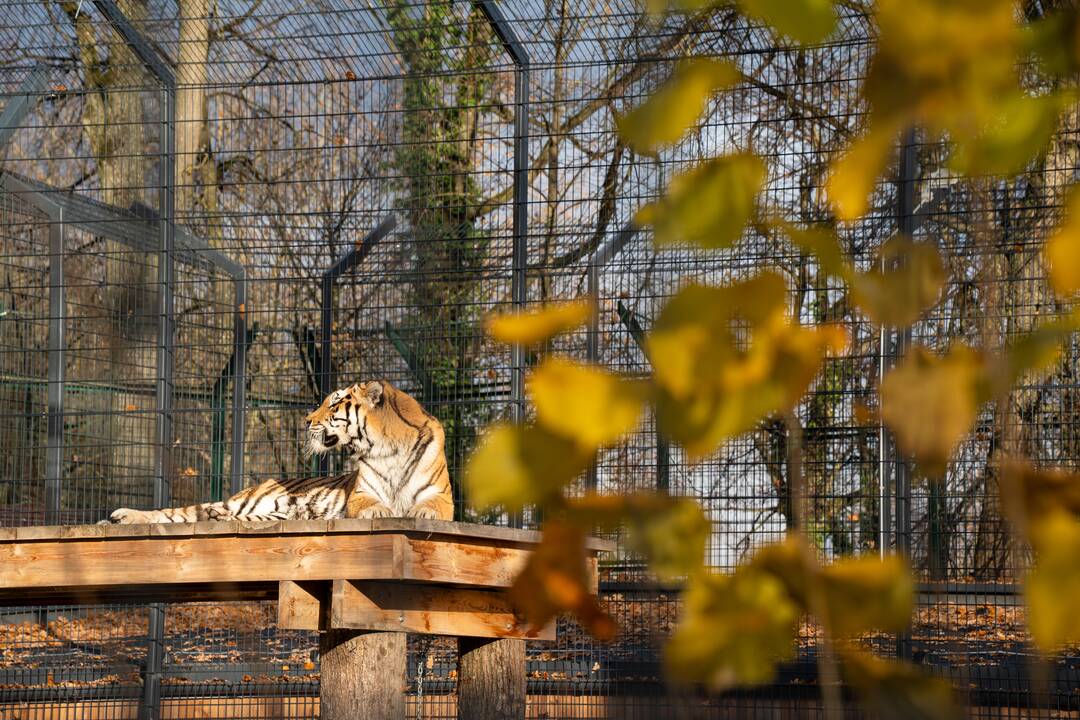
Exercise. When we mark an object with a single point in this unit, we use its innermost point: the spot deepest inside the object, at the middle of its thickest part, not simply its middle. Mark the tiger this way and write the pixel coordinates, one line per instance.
(397, 458)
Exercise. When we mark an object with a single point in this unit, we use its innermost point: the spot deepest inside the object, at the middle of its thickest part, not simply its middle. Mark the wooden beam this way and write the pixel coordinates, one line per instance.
(303, 605)
(203, 559)
(491, 679)
(431, 610)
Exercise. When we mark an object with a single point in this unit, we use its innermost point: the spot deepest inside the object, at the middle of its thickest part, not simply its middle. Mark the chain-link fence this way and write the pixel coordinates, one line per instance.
(211, 213)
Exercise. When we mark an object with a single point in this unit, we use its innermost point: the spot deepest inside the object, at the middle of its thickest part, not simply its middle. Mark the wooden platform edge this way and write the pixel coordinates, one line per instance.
(418, 527)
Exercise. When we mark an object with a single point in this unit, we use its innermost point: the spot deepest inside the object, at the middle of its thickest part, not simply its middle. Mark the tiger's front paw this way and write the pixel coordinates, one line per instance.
(127, 516)
(377, 510)
(424, 511)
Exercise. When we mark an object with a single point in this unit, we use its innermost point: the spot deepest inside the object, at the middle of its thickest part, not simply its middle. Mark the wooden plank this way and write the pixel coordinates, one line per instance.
(209, 559)
(302, 605)
(431, 610)
(362, 674)
(491, 679)
(462, 563)
(418, 527)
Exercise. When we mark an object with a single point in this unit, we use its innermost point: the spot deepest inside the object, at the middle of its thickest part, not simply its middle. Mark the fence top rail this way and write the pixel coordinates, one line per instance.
(136, 228)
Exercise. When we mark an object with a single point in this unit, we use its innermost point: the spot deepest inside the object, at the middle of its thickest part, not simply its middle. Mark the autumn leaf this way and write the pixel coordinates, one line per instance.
(676, 105)
(949, 67)
(805, 21)
(725, 358)
(1054, 40)
(516, 465)
(894, 690)
(858, 594)
(868, 593)
(820, 244)
(1016, 133)
(733, 630)
(1061, 253)
(670, 532)
(853, 175)
(1030, 494)
(584, 403)
(905, 282)
(1034, 352)
(1052, 589)
(707, 206)
(555, 580)
(931, 403)
(537, 326)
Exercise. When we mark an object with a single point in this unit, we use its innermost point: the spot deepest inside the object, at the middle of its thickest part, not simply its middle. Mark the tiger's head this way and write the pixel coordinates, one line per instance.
(369, 419)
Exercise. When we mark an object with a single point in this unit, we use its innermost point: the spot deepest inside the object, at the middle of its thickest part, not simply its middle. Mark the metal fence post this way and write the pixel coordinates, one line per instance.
(240, 339)
(906, 224)
(54, 459)
(520, 253)
(151, 707)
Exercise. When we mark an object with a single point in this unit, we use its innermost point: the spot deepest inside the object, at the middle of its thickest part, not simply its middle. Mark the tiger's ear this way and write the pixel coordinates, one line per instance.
(372, 392)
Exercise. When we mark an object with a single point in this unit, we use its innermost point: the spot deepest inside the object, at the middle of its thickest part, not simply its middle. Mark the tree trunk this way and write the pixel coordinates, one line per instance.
(362, 675)
(491, 679)
(195, 181)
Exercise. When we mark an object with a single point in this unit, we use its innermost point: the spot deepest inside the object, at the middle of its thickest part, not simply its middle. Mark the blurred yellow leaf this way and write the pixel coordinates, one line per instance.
(1054, 39)
(1033, 352)
(909, 284)
(1015, 134)
(821, 244)
(585, 403)
(868, 593)
(1052, 589)
(537, 326)
(515, 465)
(931, 403)
(725, 358)
(670, 532)
(793, 562)
(676, 105)
(1030, 494)
(1062, 251)
(805, 21)
(852, 177)
(893, 690)
(707, 206)
(732, 631)
(555, 581)
(947, 66)
(860, 594)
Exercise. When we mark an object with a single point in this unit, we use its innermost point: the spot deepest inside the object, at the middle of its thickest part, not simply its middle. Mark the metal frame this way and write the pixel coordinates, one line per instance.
(520, 253)
(518, 278)
(151, 705)
(64, 208)
(22, 101)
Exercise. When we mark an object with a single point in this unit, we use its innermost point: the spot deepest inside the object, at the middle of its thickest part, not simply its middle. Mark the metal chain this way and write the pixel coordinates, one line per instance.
(420, 667)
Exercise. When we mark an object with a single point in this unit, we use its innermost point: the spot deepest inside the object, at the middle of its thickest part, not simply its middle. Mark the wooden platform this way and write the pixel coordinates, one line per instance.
(393, 573)
(363, 583)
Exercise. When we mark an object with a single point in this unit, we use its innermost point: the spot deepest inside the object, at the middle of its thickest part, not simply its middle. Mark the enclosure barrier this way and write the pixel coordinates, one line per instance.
(363, 583)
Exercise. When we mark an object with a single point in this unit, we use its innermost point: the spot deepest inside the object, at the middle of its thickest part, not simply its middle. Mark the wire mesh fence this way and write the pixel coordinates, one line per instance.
(389, 142)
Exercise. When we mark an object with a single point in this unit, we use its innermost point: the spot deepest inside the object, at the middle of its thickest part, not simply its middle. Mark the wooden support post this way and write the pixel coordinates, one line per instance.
(362, 675)
(491, 679)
